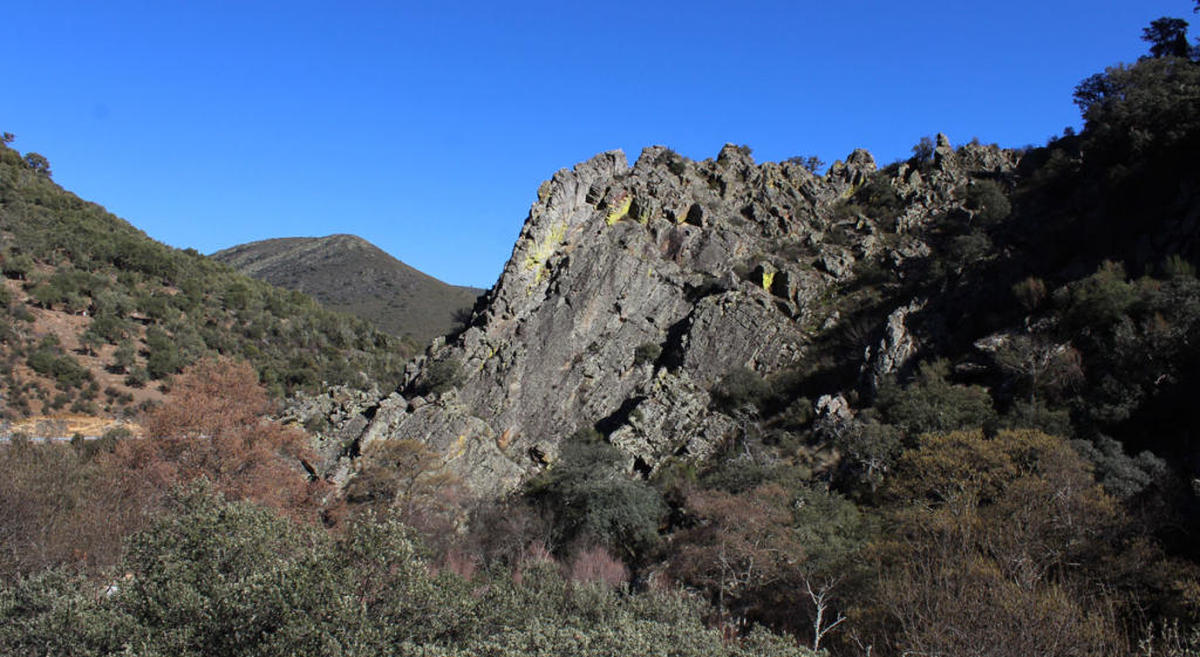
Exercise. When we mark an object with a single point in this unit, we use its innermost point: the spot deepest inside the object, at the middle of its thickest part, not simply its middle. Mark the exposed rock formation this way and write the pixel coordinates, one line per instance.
(895, 348)
(632, 291)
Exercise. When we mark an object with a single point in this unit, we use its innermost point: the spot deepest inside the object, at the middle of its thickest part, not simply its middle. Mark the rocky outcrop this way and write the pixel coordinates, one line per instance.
(893, 351)
(631, 291)
(338, 417)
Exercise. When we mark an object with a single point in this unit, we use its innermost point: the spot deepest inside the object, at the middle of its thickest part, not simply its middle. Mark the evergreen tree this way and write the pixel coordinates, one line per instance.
(1167, 37)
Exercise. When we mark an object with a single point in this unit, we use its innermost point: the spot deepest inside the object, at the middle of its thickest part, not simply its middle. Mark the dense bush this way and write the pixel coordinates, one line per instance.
(754, 549)
(216, 578)
(740, 389)
(594, 499)
(1006, 537)
(649, 352)
(62, 367)
(932, 403)
(440, 376)
(878, 199)
(1141, 110)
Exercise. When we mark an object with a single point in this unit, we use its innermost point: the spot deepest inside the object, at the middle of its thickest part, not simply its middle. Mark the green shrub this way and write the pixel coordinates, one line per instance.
(1030, 293)
(108, 327)
(1176, 266)
(968, 249)
(647, 353)
(593, 500)
(923, 151)
(163, 358)
(988, 201)
(740, 389)
(738, 475)
(65, 369)
(673, 161)
(1036, 415)
(138, 377)
(869, 450)
(16, 265)
(59, 614)
(878, 199)
(1121, 475)
(930, 403)
(440, 376)
(125, 356)
(812, 163)
(1101, 299)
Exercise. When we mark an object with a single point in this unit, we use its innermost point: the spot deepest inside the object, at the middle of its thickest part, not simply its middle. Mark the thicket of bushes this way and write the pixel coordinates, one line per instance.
(212, 578)
(210, 538)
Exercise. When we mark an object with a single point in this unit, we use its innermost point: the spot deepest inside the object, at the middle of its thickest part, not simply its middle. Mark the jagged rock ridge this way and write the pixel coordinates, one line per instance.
(631, 291)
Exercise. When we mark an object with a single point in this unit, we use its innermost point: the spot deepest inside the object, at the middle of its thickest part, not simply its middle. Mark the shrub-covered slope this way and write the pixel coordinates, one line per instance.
(92, 311)
(347, 274)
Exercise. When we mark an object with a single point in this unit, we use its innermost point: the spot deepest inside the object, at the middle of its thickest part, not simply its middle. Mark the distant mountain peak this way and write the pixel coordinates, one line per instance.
(347, 273)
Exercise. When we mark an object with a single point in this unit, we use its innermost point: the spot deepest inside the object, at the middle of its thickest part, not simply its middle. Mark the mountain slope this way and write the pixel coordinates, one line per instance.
(92, 311)
(348, 274)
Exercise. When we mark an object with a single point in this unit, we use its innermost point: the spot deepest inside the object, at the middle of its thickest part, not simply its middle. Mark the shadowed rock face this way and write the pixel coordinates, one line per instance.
(708, 266)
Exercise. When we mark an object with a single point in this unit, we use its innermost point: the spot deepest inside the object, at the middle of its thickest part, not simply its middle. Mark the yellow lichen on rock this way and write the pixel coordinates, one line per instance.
(536, 257)
(618, 213)
(768, 278)
(491, 353)
(458, 449)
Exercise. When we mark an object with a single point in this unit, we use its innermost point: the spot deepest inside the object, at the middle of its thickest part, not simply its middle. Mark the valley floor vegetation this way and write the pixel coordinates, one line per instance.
(209, 539)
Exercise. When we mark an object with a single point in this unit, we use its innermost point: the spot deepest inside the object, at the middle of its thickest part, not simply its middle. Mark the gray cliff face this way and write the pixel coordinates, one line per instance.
(633, 290)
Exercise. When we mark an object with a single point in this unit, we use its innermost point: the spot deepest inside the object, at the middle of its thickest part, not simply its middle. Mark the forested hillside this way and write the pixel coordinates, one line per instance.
(94, 314)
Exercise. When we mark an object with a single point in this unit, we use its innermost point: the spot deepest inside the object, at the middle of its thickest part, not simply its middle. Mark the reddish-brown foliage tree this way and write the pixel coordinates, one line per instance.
(214, 424)
(741, 543)
(211, 396)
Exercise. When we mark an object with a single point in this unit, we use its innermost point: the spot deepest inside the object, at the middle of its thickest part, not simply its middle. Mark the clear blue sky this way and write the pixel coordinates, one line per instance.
(427, 127)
